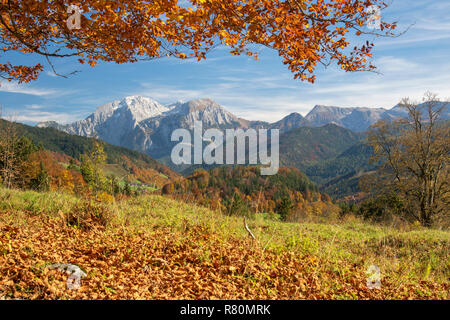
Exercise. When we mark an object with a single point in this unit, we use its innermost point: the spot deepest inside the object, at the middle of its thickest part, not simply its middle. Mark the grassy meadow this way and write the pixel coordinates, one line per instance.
(154, 247)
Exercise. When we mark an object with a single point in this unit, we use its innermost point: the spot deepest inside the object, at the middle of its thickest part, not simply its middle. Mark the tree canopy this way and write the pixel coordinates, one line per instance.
(305, 33)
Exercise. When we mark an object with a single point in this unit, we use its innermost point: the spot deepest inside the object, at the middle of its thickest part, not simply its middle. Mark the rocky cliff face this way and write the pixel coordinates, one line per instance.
(355, 119)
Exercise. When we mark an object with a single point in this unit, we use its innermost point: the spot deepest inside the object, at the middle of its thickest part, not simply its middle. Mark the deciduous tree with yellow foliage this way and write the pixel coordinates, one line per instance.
(414, 153)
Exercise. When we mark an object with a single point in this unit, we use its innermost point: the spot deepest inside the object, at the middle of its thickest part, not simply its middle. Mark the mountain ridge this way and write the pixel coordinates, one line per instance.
(145, 125)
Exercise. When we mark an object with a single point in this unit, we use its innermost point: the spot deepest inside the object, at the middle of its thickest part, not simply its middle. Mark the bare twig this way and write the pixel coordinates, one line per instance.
(248, 229)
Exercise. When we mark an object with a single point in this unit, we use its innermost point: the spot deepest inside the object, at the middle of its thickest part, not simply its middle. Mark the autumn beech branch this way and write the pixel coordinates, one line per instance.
(304, 34)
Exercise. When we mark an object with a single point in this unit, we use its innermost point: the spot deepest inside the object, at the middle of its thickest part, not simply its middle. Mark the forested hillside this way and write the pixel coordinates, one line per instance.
(119, 161)
(242, 190)
(303, 145)
(339, 176)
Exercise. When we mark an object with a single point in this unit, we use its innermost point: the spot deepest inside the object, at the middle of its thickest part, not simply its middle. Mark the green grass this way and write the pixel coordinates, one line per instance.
(411, 255)
(114, 169)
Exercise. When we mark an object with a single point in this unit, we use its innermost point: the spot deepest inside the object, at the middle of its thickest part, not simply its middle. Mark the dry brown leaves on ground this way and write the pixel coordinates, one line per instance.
(161, 264)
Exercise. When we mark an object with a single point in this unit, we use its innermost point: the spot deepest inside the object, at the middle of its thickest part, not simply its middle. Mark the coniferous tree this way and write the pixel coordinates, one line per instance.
(285, 207)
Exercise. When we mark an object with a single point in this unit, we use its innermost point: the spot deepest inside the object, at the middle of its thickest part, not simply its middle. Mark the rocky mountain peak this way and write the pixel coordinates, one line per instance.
(291, 121)
(336, 111)
(142, 108)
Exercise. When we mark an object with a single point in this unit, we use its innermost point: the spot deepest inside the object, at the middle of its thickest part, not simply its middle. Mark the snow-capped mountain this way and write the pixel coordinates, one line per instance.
(116, 122)
(321, 115)
(130, 109)
(145, 125)
(141, 108)
(399, 111)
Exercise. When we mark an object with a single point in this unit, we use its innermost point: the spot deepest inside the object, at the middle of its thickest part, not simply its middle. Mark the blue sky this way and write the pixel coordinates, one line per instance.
(416, 62)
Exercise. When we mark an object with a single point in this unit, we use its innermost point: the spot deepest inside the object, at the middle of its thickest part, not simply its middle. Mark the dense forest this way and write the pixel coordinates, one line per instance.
(242, 190)
(339, 176)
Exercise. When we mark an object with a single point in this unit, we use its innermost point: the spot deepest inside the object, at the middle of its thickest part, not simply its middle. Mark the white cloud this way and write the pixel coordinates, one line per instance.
(27, 89)
(34, 106)
(14, 87)
(390, 64)
(168, 94)
(417, 38)
(36, 115)
(434, 25)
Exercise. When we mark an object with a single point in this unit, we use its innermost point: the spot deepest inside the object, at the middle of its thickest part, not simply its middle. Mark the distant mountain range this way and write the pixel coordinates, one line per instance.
(326, 137)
